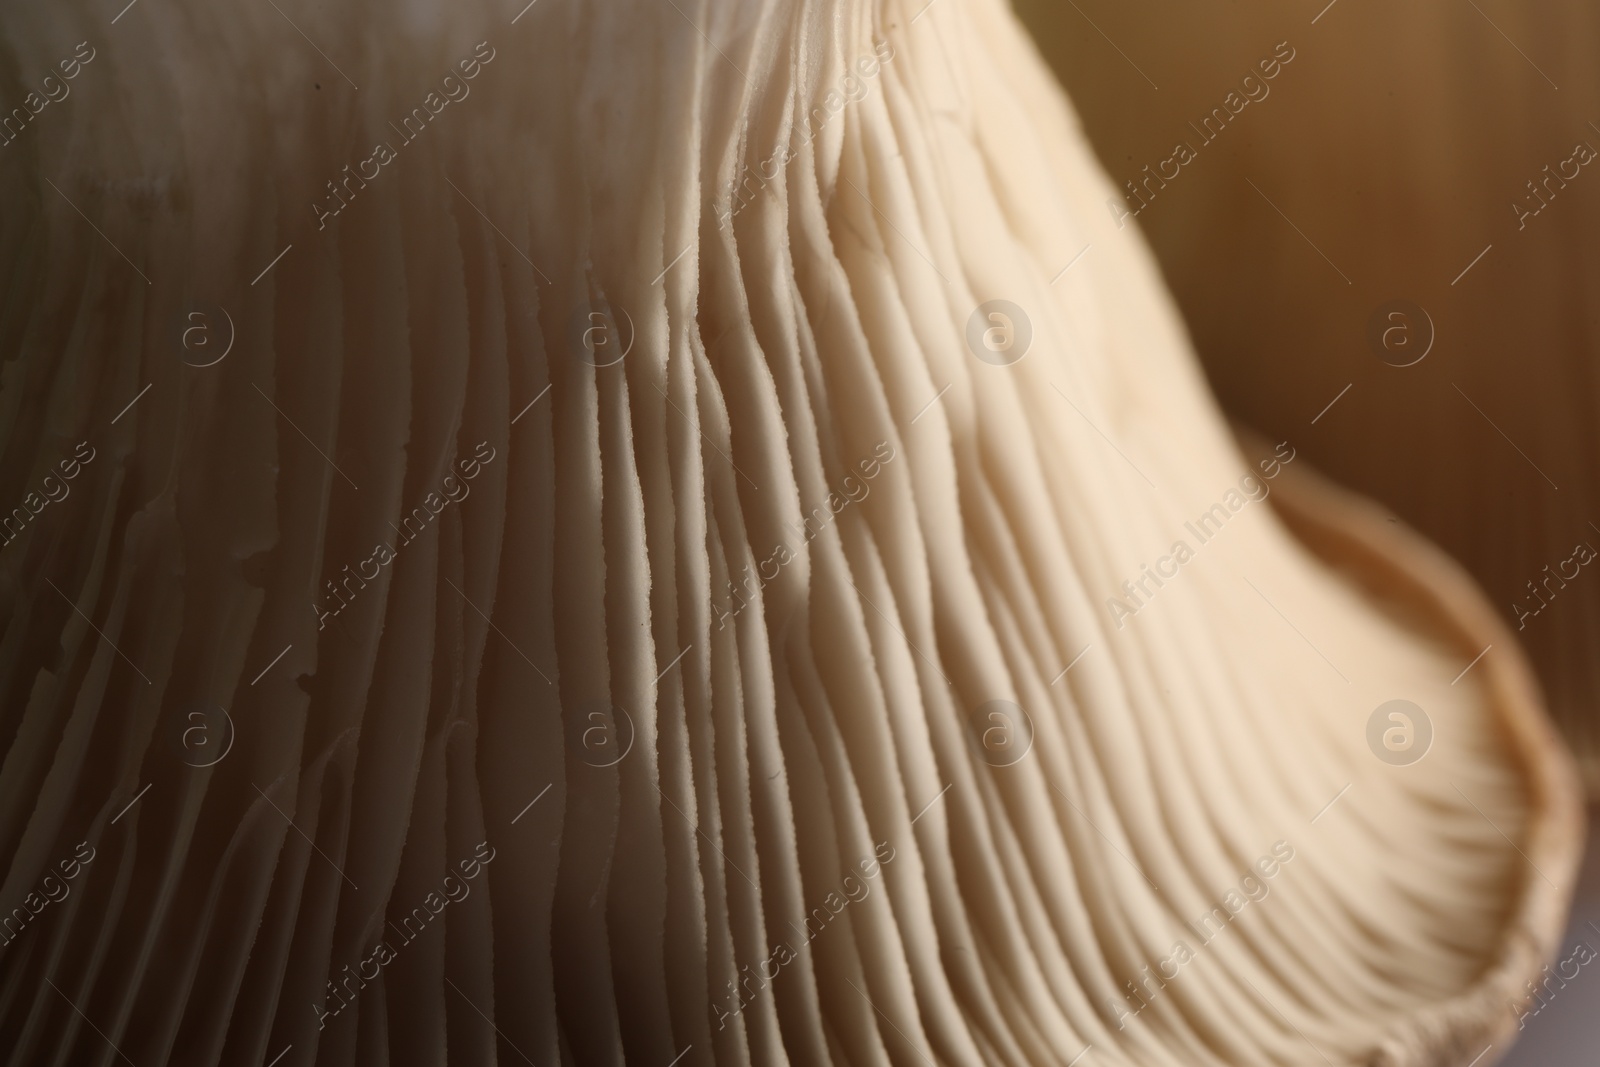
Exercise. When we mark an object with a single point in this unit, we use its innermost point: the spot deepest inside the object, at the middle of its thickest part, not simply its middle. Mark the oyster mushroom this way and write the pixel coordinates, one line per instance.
(686, 542)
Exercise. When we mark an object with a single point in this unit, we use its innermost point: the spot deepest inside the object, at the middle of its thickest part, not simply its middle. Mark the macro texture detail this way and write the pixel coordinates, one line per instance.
(601, 533)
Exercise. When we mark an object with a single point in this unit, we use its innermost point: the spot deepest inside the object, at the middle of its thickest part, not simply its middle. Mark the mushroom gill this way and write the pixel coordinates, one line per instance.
(655, 530)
